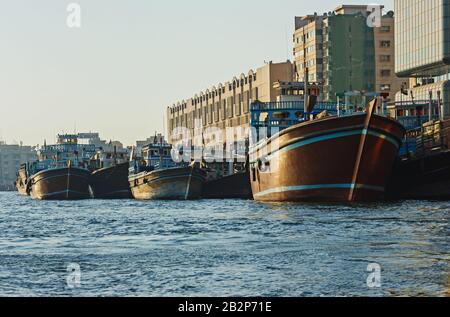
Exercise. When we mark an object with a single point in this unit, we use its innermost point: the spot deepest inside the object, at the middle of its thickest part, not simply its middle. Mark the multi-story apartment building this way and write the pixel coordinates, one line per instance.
(349, 62)
(228, 104)
(386, 80)
(342, 53)
(422, 40)
(308, 48)
(11, 156)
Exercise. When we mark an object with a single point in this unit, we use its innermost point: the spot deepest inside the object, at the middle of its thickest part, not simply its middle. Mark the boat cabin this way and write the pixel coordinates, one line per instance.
(154, 156)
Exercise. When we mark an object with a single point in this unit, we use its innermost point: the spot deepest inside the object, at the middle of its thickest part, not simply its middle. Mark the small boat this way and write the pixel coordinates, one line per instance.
(62, 171)
(22, 180)
(110, 178)
(346, 158)
(155, 176)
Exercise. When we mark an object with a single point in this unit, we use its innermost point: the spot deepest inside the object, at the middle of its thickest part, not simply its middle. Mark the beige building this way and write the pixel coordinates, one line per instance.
(11, 156)
(386, 80)
(308, 47)
(228, 104)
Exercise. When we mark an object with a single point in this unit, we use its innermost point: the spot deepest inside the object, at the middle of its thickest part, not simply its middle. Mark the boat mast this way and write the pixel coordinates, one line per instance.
(160, 150)
(306, 94)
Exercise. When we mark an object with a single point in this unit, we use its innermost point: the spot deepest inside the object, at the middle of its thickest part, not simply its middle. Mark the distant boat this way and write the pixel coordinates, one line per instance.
(336, 158)
(22, 181)
(62, 171)
(154, 176)
(110, 180)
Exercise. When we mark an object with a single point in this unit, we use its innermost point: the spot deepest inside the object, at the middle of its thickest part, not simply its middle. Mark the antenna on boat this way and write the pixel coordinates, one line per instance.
(164, 124)
(161, 152)
(305, 93)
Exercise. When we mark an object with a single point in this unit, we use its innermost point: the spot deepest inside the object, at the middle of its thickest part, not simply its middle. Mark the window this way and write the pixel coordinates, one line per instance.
(310, 49)
(385, 72)
(385, 44)
(385, 87)
(385, 58)
(385, 29)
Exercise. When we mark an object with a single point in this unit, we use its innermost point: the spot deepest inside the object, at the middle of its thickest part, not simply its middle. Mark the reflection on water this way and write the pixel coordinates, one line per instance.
(222, 248)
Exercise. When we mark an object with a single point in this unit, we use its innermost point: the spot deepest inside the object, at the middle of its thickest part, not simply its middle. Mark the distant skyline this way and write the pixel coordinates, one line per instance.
(130, 60)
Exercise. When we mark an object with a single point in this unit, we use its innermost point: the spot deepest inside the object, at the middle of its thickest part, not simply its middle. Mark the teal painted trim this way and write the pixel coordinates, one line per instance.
(337, 135)
(313, 187)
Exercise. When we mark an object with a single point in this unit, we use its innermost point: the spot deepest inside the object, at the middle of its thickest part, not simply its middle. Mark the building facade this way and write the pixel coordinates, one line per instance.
(349, 62)
(11, 156)
(386, 80)
(423, 49)
(308, 48)
(342, 53)
(227, 105)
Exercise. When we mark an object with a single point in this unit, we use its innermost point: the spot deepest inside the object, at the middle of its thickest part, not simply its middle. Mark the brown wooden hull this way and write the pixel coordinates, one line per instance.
(322, 160)
(111, 183)
(68, 183)
(235, 186)
(168, 184)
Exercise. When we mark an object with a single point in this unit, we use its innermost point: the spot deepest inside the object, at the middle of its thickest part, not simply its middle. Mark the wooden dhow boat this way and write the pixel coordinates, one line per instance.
(62, 171)
(154, 176)
(63, 183)
(110, 178)
(346, 158)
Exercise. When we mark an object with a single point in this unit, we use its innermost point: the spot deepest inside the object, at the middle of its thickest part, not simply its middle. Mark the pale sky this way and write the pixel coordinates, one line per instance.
(130, 59)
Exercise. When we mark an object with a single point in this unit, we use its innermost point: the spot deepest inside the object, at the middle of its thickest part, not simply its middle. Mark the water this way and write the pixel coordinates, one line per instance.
(221, 248)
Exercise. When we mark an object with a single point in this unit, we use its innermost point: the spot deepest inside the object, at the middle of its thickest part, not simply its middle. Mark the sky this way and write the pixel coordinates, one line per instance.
(129, 60)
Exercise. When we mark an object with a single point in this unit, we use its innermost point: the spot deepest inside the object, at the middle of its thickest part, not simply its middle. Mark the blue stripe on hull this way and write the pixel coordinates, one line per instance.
(285, 189)
(331, 136)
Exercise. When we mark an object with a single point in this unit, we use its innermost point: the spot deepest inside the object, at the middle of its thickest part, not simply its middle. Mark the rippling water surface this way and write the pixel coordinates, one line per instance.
(222, 248)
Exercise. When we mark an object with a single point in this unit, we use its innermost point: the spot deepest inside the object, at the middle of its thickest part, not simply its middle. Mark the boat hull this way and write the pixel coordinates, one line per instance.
(168, 184)
(111, 182)
(235, 186)
(68, 183)
(22, 181)
(21, 188)
(324, 161)
(425, 178)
